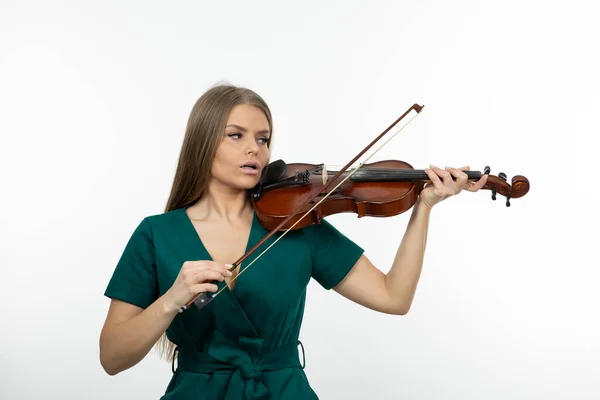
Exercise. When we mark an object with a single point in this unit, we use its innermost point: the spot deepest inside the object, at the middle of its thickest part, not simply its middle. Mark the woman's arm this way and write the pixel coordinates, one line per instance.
(393, 293)
(130, 332)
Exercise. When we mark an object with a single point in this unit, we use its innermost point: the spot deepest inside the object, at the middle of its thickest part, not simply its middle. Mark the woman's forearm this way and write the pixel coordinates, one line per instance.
(403, 277)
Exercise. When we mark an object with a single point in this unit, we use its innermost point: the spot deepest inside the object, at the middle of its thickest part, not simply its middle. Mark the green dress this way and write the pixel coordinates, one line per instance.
(244, 343)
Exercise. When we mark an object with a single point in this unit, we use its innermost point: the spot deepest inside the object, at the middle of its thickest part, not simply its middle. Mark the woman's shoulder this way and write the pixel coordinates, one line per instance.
(165, 215)
(163, 219)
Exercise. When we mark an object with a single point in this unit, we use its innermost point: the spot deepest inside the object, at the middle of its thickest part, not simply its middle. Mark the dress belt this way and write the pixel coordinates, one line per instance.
(246, 360)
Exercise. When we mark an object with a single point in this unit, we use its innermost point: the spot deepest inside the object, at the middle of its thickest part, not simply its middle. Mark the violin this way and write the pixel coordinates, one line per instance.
(294, 196)
(379, 189)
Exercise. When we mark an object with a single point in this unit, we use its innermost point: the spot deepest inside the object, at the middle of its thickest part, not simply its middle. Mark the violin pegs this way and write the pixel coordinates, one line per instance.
(508, 200)
(502, 176)
(494, 193)
(486, 170)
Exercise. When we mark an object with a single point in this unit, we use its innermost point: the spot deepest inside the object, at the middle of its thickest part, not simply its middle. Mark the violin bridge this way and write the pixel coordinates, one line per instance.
(324, 176)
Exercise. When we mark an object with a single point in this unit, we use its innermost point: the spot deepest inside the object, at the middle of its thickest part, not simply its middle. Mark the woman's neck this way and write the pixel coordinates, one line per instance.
(227, 206)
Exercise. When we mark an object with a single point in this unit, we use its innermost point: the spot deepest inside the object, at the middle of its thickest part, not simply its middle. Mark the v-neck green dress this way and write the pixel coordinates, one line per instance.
(244, 344)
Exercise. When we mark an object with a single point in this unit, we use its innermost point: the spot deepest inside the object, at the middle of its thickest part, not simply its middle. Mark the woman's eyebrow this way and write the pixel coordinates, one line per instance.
(241, 128)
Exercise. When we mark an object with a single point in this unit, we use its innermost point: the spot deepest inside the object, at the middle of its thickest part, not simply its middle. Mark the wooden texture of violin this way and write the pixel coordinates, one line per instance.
(371, 191)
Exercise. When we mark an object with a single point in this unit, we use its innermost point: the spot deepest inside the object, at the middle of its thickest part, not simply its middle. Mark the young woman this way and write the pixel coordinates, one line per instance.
(244, 343)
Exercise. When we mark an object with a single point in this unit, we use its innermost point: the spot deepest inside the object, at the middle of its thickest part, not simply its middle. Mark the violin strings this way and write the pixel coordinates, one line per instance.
(317, 204)
(398, 170)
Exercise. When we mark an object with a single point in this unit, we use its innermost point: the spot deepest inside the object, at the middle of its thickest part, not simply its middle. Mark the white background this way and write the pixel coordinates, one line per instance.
(94, 98)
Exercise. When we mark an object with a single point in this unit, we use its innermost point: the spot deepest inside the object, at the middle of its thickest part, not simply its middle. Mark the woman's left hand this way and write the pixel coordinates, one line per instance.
(443, 186)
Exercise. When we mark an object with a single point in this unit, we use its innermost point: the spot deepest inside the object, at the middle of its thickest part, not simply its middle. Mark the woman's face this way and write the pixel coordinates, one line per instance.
(243, 152)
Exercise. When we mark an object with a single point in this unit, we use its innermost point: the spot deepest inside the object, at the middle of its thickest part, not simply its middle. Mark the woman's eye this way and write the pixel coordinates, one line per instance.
(237, 136)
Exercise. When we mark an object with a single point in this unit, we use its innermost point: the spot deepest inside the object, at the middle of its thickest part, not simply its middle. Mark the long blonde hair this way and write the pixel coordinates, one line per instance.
(204, 132)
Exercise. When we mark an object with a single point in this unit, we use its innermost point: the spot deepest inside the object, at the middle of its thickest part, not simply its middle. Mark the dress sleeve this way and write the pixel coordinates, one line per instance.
(333, 255)
(134, 279)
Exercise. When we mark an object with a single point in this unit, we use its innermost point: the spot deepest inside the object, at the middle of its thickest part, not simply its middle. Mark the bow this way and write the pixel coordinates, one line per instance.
(203, 299)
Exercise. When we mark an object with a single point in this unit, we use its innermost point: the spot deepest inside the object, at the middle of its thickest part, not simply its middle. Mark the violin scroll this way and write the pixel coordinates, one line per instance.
(498, 185)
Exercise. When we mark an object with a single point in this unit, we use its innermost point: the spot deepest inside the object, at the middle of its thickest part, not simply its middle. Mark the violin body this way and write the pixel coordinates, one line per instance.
(360, 194)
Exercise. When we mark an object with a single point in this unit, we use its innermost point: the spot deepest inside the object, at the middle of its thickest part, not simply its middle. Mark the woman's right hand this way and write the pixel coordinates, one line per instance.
(195, 277)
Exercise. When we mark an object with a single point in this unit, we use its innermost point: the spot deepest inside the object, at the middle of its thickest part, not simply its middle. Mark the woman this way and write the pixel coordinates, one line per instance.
(243, 344)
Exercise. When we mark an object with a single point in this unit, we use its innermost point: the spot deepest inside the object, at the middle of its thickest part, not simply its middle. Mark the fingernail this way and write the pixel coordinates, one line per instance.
(229, 273)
